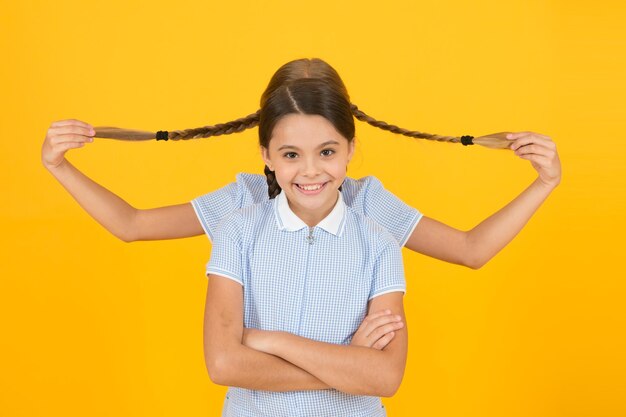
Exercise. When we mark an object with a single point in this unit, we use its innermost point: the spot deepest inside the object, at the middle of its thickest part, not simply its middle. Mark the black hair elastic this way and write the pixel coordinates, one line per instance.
(467, 140)
(162, 135)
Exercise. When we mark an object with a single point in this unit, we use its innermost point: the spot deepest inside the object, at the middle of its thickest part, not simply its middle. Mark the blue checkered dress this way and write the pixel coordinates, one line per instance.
(365, 195)
(312, 282)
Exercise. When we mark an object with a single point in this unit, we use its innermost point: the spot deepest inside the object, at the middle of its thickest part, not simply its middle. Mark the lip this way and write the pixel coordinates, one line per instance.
(313, 192)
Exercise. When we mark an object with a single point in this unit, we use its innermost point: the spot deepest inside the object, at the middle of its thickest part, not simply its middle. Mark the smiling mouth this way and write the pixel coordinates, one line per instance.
(311, 188)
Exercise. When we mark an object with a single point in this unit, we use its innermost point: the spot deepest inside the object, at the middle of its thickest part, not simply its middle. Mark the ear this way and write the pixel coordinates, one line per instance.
(265, 154)
(351, 146)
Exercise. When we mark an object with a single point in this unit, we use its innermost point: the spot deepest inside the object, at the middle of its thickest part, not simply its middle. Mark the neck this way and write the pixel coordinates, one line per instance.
(313, 217)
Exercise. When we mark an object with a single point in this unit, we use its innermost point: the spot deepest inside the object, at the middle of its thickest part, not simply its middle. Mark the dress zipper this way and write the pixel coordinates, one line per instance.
(310, 237)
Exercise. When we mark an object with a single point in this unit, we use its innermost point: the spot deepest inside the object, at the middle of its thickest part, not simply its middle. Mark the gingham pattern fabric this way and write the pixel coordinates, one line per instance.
(317, 290)
(365, 195)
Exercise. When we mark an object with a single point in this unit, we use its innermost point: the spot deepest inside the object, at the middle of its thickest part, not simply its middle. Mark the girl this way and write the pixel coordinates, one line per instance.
(300, 272)
(423, 234)
(472, 248)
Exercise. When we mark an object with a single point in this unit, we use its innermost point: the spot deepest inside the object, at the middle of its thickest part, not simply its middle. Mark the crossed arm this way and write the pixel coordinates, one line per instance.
(279, 361)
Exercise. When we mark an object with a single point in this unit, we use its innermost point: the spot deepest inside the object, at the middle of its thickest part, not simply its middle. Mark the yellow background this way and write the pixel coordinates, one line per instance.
(90, 325)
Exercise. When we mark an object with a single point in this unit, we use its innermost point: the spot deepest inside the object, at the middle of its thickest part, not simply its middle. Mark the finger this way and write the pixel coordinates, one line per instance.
(517, 135)
(373, 316)
(387, 328)
(64, 147)
(377, 314)
(61, 130)
(378, 322)
(534, 149)
(530, 140)
(538, 159)
(531, 148)
(56, 140)
(70, 122)
(383, 341)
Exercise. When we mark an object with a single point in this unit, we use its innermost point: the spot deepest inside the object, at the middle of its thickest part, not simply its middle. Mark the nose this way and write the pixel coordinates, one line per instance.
(310, 167)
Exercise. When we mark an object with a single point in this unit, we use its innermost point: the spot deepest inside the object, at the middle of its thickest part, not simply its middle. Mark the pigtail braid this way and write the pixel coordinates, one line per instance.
(227, 128)
(494, 140)
(273, 189)
(395, 129)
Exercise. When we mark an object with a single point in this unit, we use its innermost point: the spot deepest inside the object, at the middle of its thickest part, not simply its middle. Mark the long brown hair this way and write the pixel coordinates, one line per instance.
(294, 70)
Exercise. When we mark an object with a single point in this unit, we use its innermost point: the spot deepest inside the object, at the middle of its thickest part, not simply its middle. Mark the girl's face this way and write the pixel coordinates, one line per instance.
(309, 158)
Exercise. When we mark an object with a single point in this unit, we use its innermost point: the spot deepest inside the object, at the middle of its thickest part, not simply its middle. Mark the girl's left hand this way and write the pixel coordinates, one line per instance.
(377, 330)
(542, 154)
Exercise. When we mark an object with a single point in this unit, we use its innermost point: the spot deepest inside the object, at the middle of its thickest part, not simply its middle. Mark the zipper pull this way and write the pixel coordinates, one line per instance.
(310, 237)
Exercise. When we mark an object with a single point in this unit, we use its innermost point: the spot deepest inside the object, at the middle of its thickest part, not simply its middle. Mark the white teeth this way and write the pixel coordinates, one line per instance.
(310, 187)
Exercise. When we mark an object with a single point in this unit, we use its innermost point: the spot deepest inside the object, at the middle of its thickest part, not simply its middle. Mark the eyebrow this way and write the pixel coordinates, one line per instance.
(330, 142)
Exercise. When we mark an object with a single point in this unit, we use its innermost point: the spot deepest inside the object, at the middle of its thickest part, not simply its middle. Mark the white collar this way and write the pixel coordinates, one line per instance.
(286, 219)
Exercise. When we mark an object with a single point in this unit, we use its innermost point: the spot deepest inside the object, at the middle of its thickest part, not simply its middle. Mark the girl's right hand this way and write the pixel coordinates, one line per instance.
(62, 136)
(377, 330)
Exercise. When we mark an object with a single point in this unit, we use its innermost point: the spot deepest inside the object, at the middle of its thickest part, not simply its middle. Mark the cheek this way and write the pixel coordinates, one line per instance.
(339, 168)
(285, 174)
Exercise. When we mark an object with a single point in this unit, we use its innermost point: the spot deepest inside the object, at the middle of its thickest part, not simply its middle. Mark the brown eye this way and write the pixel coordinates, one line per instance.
(290, 155)
(327, 152)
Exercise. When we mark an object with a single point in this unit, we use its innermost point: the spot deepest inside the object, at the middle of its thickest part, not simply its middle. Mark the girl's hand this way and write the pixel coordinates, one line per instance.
(62, 136)
(377, 330)
(542, 154)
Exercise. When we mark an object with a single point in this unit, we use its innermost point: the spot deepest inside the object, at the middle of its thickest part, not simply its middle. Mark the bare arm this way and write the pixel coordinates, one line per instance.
(116, 215)
(351, 369)
(476, 247)
(231, 363)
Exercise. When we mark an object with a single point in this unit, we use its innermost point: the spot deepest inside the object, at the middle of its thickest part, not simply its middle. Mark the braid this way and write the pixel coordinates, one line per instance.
(227, 128)
(493, 141)
(395, 129)
(273, 189)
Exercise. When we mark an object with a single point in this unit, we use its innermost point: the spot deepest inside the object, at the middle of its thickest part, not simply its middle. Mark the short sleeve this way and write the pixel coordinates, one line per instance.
(388, 270)
(226, 252)
(211, 208)
(368, 196)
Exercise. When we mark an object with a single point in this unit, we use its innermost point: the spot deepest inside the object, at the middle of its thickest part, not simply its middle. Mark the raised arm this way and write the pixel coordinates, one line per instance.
(351, 369)
(116, 215)
(476, 247)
